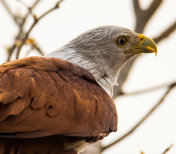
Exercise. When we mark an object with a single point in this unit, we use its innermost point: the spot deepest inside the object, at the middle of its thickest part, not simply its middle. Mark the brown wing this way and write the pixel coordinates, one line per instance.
(47, 96)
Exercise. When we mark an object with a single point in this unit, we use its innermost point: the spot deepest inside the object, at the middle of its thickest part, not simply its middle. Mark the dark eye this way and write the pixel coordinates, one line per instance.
(121, 41)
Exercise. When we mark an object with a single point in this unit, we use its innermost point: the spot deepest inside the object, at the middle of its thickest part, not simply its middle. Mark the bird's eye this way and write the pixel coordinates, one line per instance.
(121, 42)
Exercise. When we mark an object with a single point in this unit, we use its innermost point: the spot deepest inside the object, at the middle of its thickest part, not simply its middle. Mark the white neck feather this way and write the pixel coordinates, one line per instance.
(72, 56)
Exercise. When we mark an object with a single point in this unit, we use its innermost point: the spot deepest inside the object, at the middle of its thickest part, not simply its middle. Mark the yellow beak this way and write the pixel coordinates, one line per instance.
(144, 45)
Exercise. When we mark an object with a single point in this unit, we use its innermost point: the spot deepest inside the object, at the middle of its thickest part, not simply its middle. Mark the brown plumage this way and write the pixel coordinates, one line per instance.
(47, 102)
(53, 106)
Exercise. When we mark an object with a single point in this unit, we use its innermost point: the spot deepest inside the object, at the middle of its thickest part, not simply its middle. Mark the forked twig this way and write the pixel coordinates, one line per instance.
(20, 33)
(36, 20)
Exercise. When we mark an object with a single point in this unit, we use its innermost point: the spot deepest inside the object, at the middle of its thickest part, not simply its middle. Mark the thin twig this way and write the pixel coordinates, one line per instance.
(20, 34)
(36, 20)
(146, 116)
(29, 12)
(166, 33)
(146, 90)
(167, 149)
(38, 49)
(11, 51)
(9, 11)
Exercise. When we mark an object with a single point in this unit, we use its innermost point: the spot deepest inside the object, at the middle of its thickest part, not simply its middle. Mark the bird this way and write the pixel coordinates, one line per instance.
(61, 102)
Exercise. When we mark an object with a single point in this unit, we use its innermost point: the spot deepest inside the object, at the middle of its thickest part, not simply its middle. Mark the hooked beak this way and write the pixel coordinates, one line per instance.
(144, 45)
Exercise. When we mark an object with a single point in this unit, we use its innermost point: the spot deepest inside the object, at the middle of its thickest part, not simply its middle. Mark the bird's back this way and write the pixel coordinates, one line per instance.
(44, 101)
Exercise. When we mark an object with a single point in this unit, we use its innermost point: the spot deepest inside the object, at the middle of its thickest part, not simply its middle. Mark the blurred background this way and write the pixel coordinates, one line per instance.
(145, 98)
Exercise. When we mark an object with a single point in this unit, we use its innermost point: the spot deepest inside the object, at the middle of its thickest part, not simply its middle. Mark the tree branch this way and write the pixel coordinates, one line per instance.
(36, 20)
(137, 7)
(167, 149)
(9, 11)
(153, 8)
(28, 13)
(11, 51)
(39, 50)
(20, 34)
(165, 33)
(143, 16)
(146, 90)
(146, 116)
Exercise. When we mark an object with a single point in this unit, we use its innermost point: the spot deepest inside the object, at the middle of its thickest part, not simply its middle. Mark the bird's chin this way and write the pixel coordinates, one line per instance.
(130, 55)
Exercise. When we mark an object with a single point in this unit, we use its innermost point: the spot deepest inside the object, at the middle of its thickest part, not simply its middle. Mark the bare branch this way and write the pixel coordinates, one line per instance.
(35, 4)
(146, 116)
(167, 149)
(33, 25)
(137, 7)
(143, 16)
(29, 12)
(11, 51)
(9, 11)
(165, 33)
(146, 90)
(35, 46)
(153, 8)
(20, 34)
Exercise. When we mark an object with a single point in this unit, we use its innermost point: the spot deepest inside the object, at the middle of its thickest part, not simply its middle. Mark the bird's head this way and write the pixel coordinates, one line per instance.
(104, 50)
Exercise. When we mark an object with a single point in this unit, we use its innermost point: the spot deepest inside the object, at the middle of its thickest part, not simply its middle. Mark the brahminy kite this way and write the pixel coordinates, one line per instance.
(63, 101)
